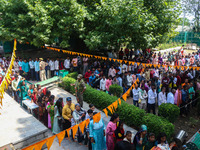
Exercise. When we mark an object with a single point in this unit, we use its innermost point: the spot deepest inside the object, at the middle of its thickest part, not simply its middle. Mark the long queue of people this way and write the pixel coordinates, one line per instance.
(59, 115)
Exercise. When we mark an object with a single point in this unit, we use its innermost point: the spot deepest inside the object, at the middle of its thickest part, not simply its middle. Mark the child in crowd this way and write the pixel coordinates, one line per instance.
(119, 132)
(151, 142)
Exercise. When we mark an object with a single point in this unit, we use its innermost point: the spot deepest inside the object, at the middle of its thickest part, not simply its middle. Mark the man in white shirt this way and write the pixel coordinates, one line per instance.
(52, 67)
(170, 96)
(162, 96)
(129, 80)
(152, 97)
(32, 68)
(103, 84)
(112, 71)
(124, 67)
(136, 95)
(67, 63)
(56, 63)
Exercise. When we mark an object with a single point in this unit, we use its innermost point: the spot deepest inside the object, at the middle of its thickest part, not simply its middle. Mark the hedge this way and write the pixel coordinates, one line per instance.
(131, 115)
(169, 111)
(73, 75)
(116, 90)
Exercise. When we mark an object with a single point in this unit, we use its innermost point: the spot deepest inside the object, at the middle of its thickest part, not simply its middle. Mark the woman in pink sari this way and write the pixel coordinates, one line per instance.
(111, 127)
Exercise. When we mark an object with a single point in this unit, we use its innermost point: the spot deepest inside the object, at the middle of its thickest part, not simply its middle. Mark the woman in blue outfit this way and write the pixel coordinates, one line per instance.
(97, 135)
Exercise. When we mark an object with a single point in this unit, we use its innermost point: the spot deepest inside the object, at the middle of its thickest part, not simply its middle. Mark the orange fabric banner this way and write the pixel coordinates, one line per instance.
(74, 129)
(39, 145)
(96, 118)
(50, 141)
(105, 111)
(124, 96)
(68, 132)
(82, 126)
(60, 137)
(87, 122)
(110, 108)
(119, 100)
(29, 148)
(115, 104)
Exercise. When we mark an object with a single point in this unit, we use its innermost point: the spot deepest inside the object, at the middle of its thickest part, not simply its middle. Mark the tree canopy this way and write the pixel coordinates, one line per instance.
(97, 23)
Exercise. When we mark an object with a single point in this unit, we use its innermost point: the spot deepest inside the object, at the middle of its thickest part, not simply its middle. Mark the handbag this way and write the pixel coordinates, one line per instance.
(139, 101)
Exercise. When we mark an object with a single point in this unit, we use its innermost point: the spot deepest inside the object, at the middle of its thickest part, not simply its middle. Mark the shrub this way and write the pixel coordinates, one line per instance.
(169, 111)
(73, 75)
(116, 90)
(158, 124)
(131, 115)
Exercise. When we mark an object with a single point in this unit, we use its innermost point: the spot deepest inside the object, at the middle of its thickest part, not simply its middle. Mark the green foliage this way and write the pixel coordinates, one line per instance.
(169, 111)
(99, 24)
(73, 75)
(158, 124)
(193, 122)
(116, 90)
(131, 115)
(40, 22)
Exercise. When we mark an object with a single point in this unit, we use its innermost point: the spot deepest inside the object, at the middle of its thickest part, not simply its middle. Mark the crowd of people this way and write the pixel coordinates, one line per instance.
(157, 85)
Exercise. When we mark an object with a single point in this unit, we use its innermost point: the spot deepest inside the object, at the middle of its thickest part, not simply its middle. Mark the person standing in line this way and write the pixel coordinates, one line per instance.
(80, 88)
(108, 84)
(67, 113)
(47, 68)
(75, 64)
(42, 69)
(97, 134)
(50, 110)
(125, 144)
(103, 84)
(20, 66)
(32, 69)
(162, 96)
(52, 67)
(170, 96)
(56, 67)
(14, 87)
(112, 71)
(143, 96)
(111, 127)
(85, 65)
(67, 64)
(136, 95)
(57, 125)
(25, 68)
(152, 97)
(37, 69)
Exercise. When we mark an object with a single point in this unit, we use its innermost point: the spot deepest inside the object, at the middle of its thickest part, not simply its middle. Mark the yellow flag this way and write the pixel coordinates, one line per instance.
(39, 145)
(50, 141)
(105, 111)
(82, 126)
(60, 136)
(15, 44)
(74, 129)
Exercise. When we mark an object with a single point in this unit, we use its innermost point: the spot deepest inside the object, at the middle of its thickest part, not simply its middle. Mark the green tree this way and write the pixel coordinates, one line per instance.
(40, 22)
(192, 7)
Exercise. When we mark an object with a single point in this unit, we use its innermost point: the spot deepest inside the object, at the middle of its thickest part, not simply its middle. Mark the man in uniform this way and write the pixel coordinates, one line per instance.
(42, 69)
(80, 88)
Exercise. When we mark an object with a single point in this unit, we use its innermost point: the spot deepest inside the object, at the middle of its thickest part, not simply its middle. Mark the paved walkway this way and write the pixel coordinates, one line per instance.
(66, 144)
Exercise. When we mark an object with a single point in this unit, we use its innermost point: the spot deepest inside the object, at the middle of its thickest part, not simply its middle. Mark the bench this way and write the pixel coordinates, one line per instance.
(45, 82)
